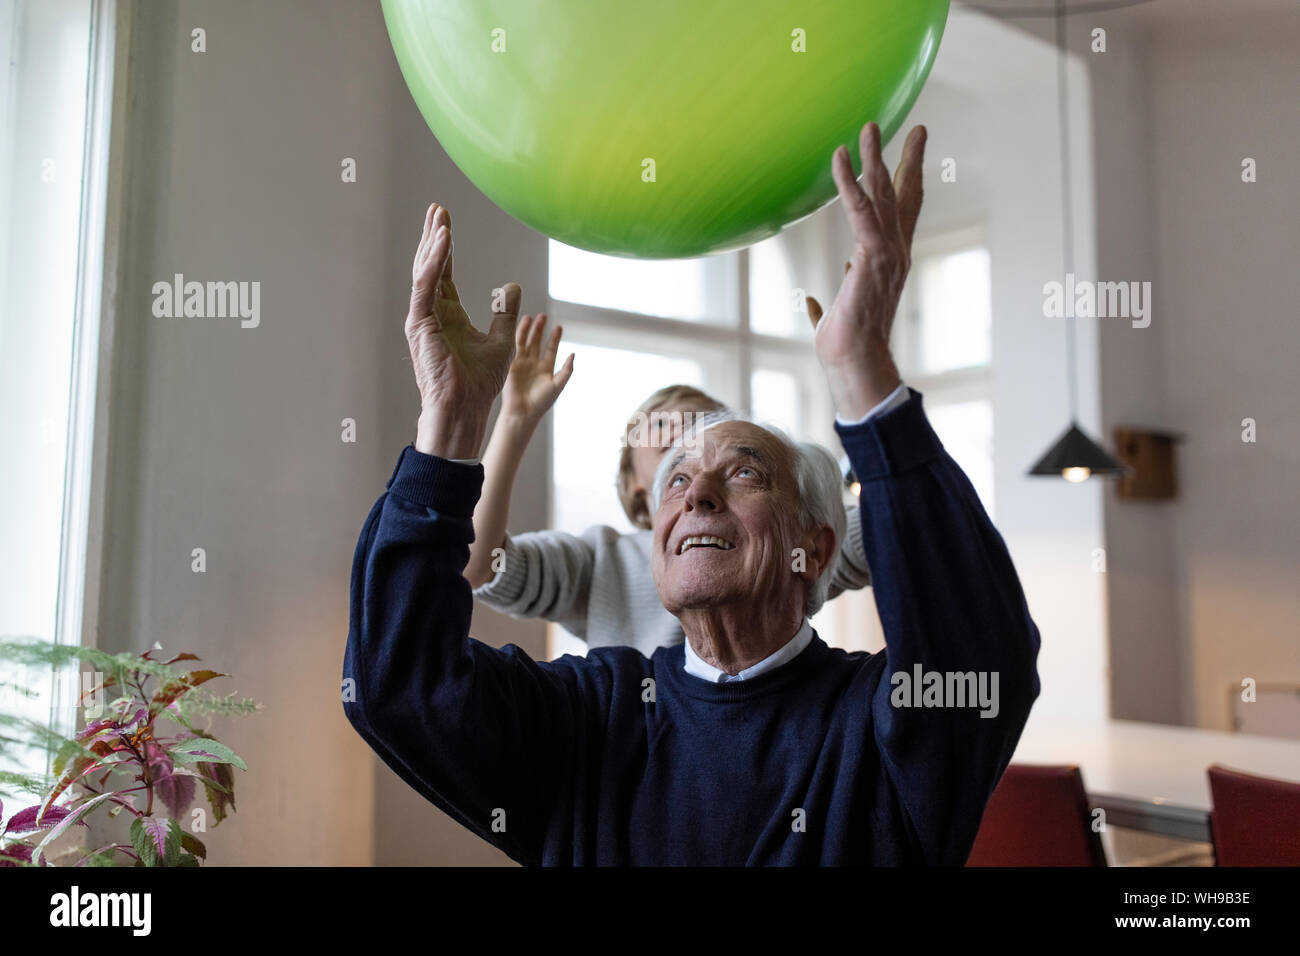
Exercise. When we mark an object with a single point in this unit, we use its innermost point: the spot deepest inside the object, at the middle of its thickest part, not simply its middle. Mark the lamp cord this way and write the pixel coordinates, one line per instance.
(1067, 204)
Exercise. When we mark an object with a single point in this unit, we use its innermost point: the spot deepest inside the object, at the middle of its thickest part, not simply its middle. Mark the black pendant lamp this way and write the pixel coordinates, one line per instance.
(1075, 457)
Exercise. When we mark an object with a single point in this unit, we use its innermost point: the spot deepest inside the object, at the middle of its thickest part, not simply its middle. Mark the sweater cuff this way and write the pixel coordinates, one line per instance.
(445, 486)
(891, 443)
(853, 543)
(506, 586)
(891, 401)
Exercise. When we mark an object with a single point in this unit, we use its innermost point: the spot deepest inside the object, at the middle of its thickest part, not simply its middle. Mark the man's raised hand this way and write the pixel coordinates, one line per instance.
(458, 369)
(852, 340)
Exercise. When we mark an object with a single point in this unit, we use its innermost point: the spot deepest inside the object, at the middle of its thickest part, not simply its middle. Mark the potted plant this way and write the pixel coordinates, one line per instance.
(139, 754)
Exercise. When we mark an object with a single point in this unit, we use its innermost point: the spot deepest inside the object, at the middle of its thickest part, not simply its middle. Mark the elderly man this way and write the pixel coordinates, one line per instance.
(755, 742)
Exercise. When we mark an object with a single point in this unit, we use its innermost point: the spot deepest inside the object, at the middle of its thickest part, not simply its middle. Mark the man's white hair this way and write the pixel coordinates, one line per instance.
(818, 482)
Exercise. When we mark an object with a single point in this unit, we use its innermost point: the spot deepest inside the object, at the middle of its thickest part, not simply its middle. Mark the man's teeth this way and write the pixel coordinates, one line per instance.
(703, 541)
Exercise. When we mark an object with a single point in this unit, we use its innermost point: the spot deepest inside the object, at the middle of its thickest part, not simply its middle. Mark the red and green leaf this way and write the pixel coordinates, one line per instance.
(176, 790)
(149, 836)
(204, 750)
(174, 689)
(16, 854)
(25, 821)
(194, 845)
(219, 785)
(79, 767)
(107, 724)
(66, 823)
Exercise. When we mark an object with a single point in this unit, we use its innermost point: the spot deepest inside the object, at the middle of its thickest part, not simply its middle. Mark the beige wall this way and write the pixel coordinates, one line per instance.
(1146, 656)
(1201, 589)
(1222, 90)
(229, 439)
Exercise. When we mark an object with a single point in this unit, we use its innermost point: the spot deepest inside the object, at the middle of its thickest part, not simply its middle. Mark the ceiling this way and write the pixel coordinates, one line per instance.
(1153, 13)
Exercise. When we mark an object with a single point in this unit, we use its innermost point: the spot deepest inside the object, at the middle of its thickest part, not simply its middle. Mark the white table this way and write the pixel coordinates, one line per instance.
(1152, 777)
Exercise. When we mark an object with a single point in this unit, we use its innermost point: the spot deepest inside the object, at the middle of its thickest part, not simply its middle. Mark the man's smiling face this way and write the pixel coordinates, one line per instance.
(727, 520)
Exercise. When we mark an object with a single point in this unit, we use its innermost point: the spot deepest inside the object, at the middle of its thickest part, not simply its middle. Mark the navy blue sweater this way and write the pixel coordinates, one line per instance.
(616, 758)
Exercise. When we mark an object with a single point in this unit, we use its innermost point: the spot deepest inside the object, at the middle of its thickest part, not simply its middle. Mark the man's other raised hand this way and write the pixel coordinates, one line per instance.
(458, 369)
(852, 339)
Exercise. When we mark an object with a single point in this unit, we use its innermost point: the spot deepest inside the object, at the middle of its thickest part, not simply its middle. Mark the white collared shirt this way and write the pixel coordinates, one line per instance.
(891, 401)
(700, 668)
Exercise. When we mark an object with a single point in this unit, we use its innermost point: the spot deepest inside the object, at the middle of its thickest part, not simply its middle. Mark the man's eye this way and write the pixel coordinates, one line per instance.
(746, 472)
(676, 480)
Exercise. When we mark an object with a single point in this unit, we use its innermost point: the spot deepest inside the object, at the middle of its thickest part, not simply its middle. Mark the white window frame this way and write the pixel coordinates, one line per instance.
(616, 328)
(853, 616)
(82, 526)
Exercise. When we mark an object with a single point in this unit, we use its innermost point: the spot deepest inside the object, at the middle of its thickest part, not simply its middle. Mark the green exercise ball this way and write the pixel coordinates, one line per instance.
(660, 130)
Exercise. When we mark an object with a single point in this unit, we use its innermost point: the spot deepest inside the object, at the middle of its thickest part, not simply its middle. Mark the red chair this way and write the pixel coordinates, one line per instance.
(1256, 820)
(1038, 816)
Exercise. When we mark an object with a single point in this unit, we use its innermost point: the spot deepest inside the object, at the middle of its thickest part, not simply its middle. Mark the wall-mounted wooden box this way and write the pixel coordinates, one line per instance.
(1149, 457)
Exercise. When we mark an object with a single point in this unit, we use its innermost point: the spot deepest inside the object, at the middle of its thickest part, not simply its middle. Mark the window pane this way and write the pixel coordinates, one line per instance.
(43, 119)
(966, 430)
(955, 310)
(775, 399)
(774, 308)
(607, 386)
(695, 290)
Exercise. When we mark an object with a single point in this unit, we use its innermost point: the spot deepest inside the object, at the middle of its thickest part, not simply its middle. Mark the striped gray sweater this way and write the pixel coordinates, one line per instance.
(599, 587)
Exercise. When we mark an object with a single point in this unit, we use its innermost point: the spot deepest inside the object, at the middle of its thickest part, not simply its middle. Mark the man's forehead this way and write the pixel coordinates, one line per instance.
(735, 438)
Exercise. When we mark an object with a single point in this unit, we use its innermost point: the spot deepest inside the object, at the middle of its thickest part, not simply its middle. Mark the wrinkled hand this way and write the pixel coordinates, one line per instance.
(458, 369)
(533, 385)
(852, 340)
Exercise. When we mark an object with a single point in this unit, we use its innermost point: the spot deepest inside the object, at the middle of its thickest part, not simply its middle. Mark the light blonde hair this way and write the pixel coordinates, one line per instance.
(674, 398)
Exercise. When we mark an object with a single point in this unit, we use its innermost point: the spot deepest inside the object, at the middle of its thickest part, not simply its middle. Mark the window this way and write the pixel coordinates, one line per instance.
(53, 159)
(778, 307)
(636, 326)
(735, 326)
(613, 381)
(951, 315)
(693, 290)
(943, 342)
